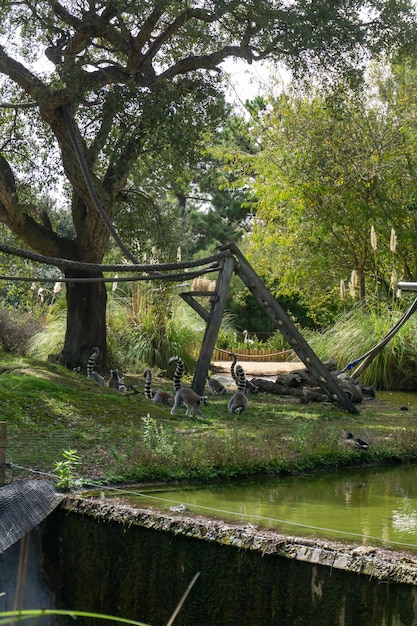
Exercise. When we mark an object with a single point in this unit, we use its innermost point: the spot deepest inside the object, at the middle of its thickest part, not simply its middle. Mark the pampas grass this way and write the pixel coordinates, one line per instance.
(50, 339)
(144, 328)
(148, 330)
(356, 332)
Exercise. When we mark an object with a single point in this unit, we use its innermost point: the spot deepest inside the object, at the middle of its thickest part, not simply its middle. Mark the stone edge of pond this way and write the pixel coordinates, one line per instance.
(382, 564)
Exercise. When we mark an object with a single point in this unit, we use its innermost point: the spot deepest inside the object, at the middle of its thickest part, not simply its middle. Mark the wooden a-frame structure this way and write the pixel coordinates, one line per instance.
(237, 263)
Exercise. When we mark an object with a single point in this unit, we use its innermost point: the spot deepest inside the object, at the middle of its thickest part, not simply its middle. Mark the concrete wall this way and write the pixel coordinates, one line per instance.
(137, 564)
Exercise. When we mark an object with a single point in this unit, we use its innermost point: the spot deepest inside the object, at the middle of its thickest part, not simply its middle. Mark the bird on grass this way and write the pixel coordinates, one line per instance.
(355, 441)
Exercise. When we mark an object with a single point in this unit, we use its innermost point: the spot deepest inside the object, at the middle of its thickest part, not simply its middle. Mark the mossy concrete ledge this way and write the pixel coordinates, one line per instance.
(379, 564)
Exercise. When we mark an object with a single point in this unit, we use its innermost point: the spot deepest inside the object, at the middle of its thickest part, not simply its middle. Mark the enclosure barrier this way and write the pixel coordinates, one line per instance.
(251, 354)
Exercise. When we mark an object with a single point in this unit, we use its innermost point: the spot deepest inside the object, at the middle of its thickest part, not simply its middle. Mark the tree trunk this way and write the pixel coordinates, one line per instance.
(86, 321)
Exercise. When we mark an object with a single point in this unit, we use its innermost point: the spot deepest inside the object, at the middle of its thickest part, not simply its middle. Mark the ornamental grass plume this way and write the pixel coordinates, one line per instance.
(353, 283)
(342, 289)
(393, 241)
(374, 245)
(393, 280)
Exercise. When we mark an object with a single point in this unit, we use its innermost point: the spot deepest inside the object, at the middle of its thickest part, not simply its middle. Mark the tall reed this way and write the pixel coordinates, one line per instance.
(356, 332)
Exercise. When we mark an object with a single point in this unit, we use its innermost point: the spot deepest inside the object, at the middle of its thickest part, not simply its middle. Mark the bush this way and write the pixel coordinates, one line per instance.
(16, 330)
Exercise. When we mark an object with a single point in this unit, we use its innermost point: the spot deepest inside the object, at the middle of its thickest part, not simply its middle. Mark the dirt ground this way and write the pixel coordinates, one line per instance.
(260, 368)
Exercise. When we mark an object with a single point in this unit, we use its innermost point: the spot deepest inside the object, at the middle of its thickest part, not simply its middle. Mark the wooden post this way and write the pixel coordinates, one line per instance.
(212, 329)
(2, 454)
(289, 331)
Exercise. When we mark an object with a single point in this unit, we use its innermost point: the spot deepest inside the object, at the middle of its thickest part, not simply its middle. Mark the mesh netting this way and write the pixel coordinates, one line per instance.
(23, 505)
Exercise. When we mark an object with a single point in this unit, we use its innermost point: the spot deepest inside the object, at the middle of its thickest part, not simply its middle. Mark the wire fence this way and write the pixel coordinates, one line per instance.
(17, 453)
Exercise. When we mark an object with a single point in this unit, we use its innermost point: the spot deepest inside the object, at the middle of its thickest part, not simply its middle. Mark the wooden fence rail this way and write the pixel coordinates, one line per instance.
(253, 354)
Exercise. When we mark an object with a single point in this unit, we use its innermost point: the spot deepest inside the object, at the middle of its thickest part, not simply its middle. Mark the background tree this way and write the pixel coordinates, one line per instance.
(219, 212)
(127, 80)
(335, 166)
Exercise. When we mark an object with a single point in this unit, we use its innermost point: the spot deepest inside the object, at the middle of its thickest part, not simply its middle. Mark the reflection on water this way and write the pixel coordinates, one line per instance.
(366, 506)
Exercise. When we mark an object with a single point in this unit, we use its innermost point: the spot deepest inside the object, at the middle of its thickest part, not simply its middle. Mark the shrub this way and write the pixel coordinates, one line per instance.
(16, 329)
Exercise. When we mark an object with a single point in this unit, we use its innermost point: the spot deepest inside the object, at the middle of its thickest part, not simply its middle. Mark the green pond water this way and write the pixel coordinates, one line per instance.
(364, 506)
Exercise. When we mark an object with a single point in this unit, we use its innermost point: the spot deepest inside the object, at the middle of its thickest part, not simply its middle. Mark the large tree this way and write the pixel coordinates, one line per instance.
(124, 75)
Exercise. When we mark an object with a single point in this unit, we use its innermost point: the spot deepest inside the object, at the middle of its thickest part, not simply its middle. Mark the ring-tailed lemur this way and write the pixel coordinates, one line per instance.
(216, 386)
(156, 395)
(239, 401)
(185, 395)
(249, 385)
(91, 372)
(115, 382)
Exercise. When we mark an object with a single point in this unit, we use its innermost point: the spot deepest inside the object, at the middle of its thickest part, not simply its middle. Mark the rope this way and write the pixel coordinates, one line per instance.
(11, 465)
(116, 279)
(90, 267)
(90, 186)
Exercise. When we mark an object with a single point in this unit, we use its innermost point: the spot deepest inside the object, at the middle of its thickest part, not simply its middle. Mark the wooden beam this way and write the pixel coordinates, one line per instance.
(213, 326)
(283, 322)
(198, 308)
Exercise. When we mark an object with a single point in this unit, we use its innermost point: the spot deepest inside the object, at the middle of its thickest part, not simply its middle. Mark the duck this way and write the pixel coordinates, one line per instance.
(357, 442)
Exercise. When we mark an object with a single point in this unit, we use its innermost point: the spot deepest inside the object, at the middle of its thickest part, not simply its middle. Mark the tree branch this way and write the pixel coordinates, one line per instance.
(39, 236)
(21, 75)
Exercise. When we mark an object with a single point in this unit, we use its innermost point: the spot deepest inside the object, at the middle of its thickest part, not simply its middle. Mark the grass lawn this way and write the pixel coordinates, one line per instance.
(119, 438)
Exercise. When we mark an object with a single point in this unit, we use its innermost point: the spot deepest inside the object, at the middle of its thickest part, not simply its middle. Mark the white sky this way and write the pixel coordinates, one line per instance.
(248, 81)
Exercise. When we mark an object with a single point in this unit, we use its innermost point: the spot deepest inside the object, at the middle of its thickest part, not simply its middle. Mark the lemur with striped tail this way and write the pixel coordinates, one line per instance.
(91, 372)
(185, 395)
(115, 382)
(238, 403)
(216, 386)
(156, 395)
(249, 385)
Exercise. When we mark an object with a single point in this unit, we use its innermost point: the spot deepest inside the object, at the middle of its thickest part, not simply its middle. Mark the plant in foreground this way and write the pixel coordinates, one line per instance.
(65, 469)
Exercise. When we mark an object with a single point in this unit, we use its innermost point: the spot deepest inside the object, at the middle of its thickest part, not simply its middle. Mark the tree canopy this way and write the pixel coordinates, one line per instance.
(129, 79)
(335, 180)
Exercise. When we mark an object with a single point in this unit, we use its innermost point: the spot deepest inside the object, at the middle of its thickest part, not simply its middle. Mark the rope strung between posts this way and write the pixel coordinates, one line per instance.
(116, 279)
(90, 186)
(152, 268)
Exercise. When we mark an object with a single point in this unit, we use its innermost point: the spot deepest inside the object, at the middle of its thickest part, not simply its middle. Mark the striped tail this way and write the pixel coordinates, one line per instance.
(232, 367)
(240, 379)
(179, 371)
(148, 383)
(91, 362)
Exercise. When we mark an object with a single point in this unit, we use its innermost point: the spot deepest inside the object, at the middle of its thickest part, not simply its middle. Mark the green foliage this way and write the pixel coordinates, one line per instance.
(156, 438)
(333, 164)
(150, 326)
(356, 332)
(65, 469)
(50, 339)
